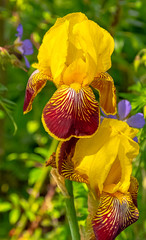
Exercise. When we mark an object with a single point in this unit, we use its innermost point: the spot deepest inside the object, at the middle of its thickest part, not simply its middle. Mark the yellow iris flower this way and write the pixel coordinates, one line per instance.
(104, 162)
(75, 53)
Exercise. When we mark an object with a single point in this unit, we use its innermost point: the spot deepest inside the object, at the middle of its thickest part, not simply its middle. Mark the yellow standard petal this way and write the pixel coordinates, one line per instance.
(96, 43)
(75, 49)
(53, 51)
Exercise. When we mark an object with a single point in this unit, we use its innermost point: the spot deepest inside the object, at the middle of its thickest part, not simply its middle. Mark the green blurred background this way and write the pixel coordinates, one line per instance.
(31, 206)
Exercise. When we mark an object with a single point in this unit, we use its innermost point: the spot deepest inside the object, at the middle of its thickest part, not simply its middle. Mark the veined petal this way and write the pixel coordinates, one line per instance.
(65, 165)
(35, 84)
(70, 113)
(133, 189)
(89, 156)
(107, 92)
(115, 213)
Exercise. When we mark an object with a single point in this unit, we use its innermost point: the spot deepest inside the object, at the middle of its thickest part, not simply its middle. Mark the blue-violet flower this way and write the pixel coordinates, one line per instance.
(23, 47)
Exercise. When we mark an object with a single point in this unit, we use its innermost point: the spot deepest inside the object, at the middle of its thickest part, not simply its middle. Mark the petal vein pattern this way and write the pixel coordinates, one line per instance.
(65, 165)
(107, 92)
(115, 213)
(35, 84)
(71, 113)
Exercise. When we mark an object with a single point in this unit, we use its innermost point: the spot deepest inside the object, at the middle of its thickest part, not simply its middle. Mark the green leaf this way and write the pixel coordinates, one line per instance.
(5, 206)
(9, 103)
(34, 175)
(14, 215)
(14, 199)
(43, 152)
(36, 158)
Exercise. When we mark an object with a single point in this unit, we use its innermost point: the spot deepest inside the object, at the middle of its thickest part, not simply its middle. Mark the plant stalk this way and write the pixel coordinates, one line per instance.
(71, 213)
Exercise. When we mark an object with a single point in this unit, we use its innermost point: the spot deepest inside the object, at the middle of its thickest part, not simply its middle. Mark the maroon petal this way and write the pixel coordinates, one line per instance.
(71, 113)
(65, 165)
(115, 213)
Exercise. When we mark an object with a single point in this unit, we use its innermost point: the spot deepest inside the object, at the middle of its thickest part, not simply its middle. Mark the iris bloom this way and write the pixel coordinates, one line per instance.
(23, 47)
(74, 54)
(104, 162)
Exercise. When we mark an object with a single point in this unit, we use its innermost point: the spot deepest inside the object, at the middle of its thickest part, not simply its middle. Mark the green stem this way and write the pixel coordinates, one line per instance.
(71, 213)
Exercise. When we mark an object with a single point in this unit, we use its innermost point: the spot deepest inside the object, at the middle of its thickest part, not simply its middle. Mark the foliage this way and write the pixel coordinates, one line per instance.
(30, 202)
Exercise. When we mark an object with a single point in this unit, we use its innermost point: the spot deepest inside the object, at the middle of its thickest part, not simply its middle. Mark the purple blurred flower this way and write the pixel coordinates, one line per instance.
(19, 31)
(23, 47)
(124, 109)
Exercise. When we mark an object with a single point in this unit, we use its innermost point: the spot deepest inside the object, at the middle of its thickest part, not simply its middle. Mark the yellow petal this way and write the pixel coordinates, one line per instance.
(73, 18)
(107, 92)
(72, 38)
(94, 156)
(76, 71)
(102, 163)
(119, 175)
(106, 157)
(127, 152)
(53, 51)
(96, 42)
(114, 176)
(122, 127)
